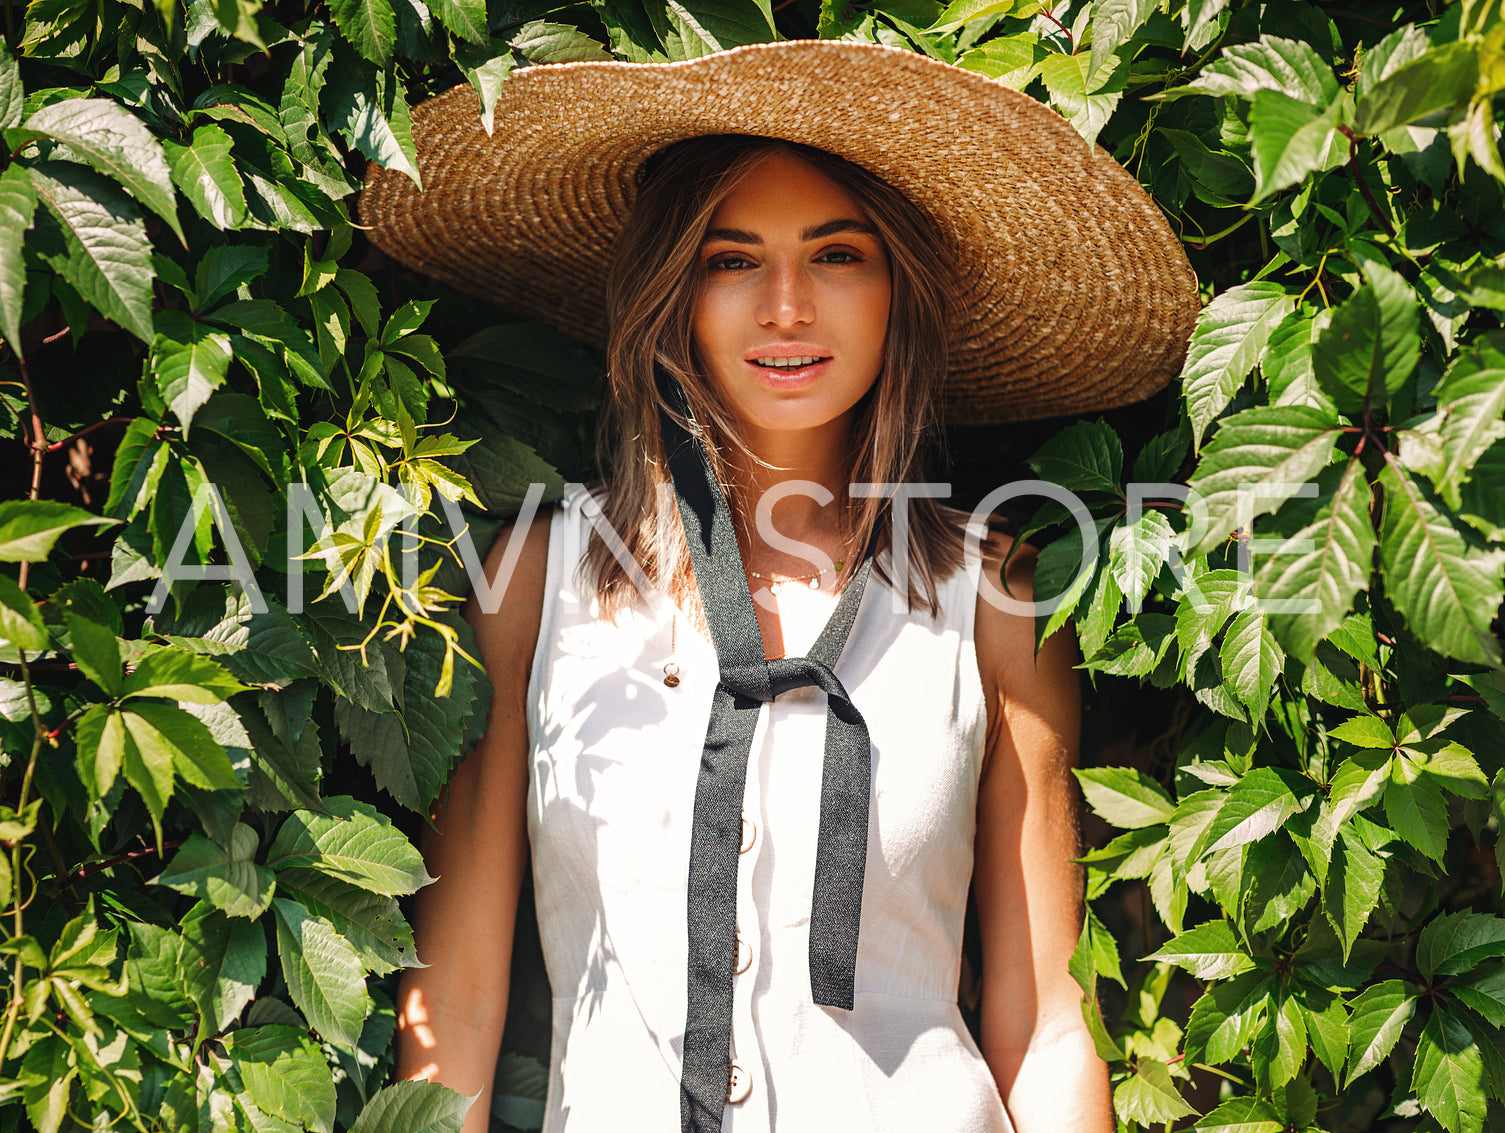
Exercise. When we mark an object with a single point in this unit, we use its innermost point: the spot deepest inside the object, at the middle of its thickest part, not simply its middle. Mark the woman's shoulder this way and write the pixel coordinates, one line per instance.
(505, 608)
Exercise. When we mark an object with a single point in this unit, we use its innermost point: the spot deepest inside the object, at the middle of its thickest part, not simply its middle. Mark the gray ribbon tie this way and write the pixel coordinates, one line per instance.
(747, 682)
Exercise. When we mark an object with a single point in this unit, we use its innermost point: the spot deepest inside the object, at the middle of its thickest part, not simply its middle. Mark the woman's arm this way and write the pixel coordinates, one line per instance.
(1029, 894)
(450, 1013)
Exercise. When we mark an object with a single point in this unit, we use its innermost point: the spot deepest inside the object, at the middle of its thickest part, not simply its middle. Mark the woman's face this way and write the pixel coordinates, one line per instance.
(793, 308)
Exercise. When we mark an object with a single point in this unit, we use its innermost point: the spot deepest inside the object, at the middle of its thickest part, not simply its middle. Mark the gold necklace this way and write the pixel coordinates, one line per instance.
(776, 583)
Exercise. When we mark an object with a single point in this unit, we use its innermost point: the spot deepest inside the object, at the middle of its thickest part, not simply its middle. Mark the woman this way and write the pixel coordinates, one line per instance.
(833, 752)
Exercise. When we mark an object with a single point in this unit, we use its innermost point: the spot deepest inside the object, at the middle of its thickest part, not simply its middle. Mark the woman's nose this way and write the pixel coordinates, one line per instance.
(786, 299)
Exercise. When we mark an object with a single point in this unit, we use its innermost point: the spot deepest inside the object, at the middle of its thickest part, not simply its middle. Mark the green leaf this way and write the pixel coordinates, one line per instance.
(1483, 990)
(285, 1075)
(1358, 782)
(1325, 577)
(370, 111)
(12, 93)
(1449, 1073)
(1008, 60)
(1114, 23)
(1125, 797)
(413, 1107)
(221, 963)
(1377, 1017)
(465, 19)
(1284, 445)
(137, 469)
(1291, 139)
(1256, 806)
(265, 319)
(413, 754)
(540, 41)
(1326, 1021)
(1149, 1097)
(700, 27)
(371, 922)
(1251, 661)
(1285, 65)
(353, 842)
(264, 649)
(1208, 951)
(960, 12)
(225, 268)
(1225, 1019)
(1459, 942)
(1287, 361)
(97, 654)
(1086, 457)
(170, 739)
(97, 242)
(1416, 809)
(179, 675)
(1201, 20)
(205, 172)
(18, 206)
(485, 67)
(1354, 879)
(1137, 551)
(1370, 348)
(1241, 1115)
(229, 879)
(21, 622)
(1471, 399)
(116, 143)
(1084, 97)
(368, 25)
(47, 1074)
(324, 973)
(1280, 885)
(189, 364)
(1442, 78)
(1481, 501)
(29, 528)
(101, 746)
(1447, 591)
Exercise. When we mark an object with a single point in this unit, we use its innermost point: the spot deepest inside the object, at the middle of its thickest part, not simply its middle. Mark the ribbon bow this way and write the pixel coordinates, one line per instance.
(747, 682)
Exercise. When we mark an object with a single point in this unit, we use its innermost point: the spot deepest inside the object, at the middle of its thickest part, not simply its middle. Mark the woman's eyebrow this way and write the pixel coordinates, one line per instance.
(819, 232)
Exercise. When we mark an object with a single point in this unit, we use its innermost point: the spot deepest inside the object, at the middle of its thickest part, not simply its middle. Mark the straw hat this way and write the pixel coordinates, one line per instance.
(1076, 295)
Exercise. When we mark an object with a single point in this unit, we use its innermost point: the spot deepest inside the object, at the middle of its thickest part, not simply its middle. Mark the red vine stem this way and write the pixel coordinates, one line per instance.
(87, 871)
(1070, 41)
(55, 445)
(1358, 175)
(38, 448)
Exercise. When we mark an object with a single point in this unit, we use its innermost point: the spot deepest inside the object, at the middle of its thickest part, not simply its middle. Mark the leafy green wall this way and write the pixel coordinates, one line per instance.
(209, 811)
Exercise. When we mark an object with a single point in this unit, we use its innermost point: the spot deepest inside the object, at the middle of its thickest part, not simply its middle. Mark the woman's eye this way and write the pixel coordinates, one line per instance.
(728, 262)
(837, 256)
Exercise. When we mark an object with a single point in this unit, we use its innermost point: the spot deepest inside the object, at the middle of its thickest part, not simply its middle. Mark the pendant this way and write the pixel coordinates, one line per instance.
(671, 675)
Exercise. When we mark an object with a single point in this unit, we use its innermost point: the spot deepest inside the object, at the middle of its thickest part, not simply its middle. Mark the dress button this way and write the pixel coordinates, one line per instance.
(749, 834)
(741, 1084)
(744, 954)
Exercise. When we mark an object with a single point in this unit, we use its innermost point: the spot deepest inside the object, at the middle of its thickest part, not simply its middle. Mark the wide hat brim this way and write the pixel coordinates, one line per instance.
(1075, 293)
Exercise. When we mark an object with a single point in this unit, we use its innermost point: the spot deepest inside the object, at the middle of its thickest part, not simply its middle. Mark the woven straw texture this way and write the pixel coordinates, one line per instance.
(1076, 294)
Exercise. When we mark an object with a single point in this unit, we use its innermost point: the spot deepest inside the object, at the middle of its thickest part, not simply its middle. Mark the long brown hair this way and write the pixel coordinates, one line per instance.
(651, 294)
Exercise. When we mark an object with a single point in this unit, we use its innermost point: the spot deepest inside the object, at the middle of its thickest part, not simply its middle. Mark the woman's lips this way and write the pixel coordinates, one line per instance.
(788, 377)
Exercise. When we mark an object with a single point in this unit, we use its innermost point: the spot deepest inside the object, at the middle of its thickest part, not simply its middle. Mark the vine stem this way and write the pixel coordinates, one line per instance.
(84, 432)
(1066, 31)
(1358, 175)
(18, 921)
(38, 448)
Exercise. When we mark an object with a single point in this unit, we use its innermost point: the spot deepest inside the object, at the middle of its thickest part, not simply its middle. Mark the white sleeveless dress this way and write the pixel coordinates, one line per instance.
(613, 762)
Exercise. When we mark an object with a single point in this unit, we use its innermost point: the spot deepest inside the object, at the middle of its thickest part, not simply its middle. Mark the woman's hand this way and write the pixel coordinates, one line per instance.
(450, 1013)
(1029, 893)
